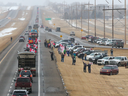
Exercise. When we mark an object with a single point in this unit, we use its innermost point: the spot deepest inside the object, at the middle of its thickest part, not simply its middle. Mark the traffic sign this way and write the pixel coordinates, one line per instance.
(81, 30)
(54, 24)
(61, 36)
(47, 18)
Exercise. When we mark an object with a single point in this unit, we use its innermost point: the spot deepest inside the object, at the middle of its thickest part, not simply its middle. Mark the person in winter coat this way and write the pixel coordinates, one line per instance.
(68, 52)
(111, 52)
(85, 65)
(73, 60)
(62, 57)
(51, 55)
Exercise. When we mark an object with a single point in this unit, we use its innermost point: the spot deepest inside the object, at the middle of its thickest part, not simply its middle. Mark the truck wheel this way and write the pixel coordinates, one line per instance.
(106, 63)
(119, 64)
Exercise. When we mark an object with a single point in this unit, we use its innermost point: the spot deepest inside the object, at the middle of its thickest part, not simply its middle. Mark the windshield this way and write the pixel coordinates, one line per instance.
(105, 58)
(97, 55)
(107, 67)
(118, 58)
(92, 54)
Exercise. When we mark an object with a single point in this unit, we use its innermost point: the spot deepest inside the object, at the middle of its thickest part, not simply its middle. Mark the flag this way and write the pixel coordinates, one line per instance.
(30, 38)
(30, 41)
(32, 50)
(28, 46)
(35, 46)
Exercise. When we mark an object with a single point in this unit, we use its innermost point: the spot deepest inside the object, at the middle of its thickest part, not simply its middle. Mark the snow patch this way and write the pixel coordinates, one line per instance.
(13, 8)
(29, 7)
(7, 31)
(50, 22)
(13, 24)
(22, 19)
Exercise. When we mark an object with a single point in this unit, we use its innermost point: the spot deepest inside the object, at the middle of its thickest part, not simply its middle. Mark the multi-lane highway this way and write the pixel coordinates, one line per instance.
(48, 81)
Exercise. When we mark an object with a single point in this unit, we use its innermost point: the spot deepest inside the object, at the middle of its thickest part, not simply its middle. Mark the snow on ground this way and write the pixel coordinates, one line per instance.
(13, 24)
(7, 31)
(29, 7)
(21, 19)
(14, 8)
(50, 22)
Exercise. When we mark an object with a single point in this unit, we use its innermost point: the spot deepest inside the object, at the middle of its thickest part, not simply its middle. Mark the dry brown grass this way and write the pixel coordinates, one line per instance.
(20, 25)
(79, 83)
(3, 15)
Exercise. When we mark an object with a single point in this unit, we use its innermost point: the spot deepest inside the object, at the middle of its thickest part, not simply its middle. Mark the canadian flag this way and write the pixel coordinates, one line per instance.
(32, 50)
(35, 46)
(61, 45)
(28, 46)
(37, 40)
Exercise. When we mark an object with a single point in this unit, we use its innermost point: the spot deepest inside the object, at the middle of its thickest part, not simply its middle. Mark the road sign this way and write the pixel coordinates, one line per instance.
(81, 30)
(47, 18)
(54, 24)
(61, 36)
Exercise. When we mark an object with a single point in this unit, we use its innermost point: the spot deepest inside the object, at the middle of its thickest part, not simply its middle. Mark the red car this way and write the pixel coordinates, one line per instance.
(83, 37)
(109, 70)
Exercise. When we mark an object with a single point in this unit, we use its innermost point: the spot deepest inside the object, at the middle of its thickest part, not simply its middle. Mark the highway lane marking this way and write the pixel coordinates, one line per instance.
(8, 52)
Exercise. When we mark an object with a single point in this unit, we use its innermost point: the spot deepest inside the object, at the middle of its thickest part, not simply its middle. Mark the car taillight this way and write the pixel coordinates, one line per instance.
(30, 84)
(15, 95)
(15, 84)
(19, 75)
(31, 75)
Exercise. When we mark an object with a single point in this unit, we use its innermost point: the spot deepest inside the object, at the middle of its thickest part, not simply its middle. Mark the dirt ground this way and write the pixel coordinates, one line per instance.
(3, 15)
(78, 83)
(19, 24)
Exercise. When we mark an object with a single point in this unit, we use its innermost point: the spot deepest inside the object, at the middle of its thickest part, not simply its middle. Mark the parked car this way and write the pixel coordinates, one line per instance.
(42, 26)
(83, 37)
(20, 92)
(22, 37)
(72, 33)
(87, 36)
(109, 70)
(49, 30)
(99, 56)
(120, 60)
(26, 33)
(93, 39)
(63, 43)
(88, 52)
(24, 83)
(90, 38)
(118, 43)
(105, 60)
(46, 28)
(26, 73)
(58, 29)
(92, 55)
(76, 46)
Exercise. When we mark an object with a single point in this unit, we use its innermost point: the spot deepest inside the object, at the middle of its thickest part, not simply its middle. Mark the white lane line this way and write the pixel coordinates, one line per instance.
(39, 64)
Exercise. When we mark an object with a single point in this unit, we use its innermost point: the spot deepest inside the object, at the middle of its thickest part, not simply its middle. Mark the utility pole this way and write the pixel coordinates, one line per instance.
(104, 22)
(112, 19)
(88, 18)
(125, 24)
(95, 18)
(76, 15)
(81, 19)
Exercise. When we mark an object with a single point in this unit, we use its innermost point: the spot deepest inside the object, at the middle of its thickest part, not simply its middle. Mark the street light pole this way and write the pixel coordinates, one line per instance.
(88, 18)
(81, 20)
(76, 15)
(104, 22)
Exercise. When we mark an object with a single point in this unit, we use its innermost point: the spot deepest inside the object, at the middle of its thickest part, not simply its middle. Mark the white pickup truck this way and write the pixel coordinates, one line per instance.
(105, 60)
(119, 60)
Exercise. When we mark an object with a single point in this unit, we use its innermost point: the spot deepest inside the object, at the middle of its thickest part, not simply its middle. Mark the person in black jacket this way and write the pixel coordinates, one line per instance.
(62, 57)
(51, 55)
(84, 68)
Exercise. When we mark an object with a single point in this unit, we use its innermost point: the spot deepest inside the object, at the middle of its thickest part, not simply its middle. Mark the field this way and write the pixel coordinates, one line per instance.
(78, 83)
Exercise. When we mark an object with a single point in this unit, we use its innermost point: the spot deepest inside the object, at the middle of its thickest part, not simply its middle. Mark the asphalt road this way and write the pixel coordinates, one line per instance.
(11, 15)
(48, 78)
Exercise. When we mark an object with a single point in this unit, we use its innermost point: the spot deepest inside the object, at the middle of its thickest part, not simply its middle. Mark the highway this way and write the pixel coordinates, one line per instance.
(47, 82)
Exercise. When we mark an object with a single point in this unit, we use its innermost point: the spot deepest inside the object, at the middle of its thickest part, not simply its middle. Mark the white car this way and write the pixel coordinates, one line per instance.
(91, 55)
(105, 60)
(63, 43)
(76, 46)
(19, 92)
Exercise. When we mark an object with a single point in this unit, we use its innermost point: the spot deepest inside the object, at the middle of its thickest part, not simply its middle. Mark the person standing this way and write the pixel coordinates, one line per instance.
(68, 52)
(51, 55)
(111, 51)
(89, 67)
(11, 38)
(73, 60)
(62, 57)
(71, 52)
(64, 52)
(85, 55)
(84, 68)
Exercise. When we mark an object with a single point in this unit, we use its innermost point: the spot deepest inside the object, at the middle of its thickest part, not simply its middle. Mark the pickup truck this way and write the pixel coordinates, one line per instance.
(24, 83)
(119, 60)
(105, 60)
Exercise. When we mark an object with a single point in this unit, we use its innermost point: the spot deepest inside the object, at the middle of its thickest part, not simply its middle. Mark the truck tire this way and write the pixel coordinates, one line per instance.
(119, 64)
(106, 63)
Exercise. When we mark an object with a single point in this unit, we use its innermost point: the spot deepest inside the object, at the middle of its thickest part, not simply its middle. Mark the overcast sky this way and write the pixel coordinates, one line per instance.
(41, 2)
